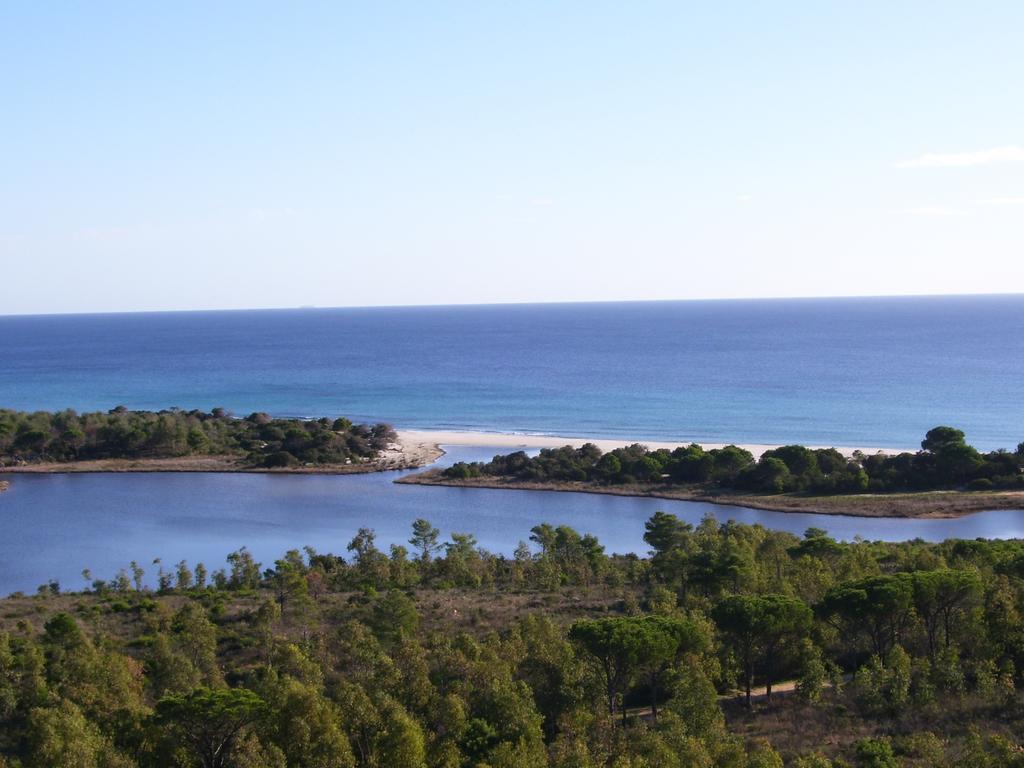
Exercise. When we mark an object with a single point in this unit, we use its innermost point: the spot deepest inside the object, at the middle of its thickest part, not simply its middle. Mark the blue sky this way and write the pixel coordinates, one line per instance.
(208, 155)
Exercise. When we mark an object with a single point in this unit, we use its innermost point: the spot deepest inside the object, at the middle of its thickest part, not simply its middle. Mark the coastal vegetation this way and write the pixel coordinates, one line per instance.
(258, 440)
(728, 645)
(945, 463)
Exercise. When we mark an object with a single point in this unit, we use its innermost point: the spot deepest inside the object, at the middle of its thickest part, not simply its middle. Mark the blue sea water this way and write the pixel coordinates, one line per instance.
(876, 372)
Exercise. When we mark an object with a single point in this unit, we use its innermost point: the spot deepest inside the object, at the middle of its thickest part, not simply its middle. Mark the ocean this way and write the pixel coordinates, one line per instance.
(877, 372)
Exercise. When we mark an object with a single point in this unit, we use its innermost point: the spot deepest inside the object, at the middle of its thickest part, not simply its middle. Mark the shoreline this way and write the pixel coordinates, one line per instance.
(923, 505)
(522, 441)
(417, 449)
(414, 449)
(403, 455)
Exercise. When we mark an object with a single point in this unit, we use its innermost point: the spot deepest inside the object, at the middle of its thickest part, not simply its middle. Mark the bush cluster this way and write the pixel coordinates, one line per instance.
(258, 440)
(945, 461)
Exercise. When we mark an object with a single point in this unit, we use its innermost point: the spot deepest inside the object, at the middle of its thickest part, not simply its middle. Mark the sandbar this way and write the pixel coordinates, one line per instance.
(520, 441)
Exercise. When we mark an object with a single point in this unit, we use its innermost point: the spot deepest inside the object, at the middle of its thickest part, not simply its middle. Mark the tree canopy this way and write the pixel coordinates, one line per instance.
(258, 440)
(945, 461)
(731, 645)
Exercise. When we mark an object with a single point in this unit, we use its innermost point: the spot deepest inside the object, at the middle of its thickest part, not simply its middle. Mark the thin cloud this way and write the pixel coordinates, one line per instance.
(1002, 201)
(994, 156)
(933, 210)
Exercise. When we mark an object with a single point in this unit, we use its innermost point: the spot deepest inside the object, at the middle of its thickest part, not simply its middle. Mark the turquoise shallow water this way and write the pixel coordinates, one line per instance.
(835, 371)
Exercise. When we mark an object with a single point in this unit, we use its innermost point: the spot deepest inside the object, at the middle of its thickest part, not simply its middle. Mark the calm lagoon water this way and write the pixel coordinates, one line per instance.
(56, 525)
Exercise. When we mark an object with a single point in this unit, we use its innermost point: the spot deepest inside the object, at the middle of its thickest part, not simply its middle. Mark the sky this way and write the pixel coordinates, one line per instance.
(189, 155)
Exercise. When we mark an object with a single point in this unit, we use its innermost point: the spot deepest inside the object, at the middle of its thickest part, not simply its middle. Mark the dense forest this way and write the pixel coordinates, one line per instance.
(258, 440)
(945, 461)
(729, 645)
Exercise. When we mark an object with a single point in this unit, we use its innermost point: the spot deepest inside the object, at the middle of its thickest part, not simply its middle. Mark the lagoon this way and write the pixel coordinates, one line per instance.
(55, 525)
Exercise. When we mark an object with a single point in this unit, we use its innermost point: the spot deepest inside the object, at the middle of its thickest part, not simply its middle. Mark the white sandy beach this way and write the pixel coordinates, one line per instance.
(411, 437)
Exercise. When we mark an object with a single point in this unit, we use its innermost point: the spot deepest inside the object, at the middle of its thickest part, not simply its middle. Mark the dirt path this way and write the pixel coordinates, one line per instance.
(758, 693)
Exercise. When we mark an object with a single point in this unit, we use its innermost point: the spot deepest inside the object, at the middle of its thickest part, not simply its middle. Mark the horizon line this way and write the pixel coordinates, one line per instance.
(313, 307)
